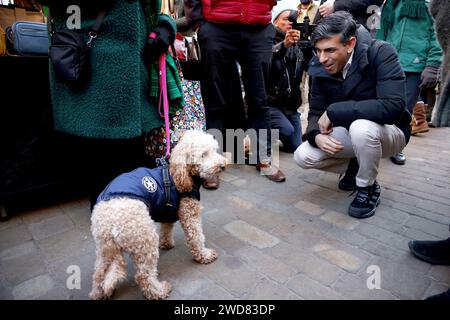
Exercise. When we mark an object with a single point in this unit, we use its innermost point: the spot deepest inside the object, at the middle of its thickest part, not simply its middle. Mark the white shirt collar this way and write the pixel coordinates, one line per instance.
(347, 66)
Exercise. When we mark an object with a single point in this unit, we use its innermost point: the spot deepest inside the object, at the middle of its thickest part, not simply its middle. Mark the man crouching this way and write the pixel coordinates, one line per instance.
(357, 108)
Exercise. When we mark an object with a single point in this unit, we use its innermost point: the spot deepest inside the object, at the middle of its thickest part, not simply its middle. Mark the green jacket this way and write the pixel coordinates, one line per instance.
(408, 26)
(115, 102)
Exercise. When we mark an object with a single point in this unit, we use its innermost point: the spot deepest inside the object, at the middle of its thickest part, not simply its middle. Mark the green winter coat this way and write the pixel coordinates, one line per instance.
(409, 28)
(115, 102)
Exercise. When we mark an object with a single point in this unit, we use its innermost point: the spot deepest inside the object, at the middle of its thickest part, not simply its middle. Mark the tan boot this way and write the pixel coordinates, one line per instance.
(419, 122)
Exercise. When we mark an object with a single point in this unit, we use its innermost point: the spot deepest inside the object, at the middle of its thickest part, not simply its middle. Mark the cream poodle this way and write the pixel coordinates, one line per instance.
(123, 218)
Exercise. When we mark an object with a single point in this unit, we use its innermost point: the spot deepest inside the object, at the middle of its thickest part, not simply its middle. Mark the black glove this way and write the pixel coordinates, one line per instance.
(159, 41)
(429, 77)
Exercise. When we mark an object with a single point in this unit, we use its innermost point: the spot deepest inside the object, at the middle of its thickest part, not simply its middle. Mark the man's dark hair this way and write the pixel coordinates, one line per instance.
(339, 23)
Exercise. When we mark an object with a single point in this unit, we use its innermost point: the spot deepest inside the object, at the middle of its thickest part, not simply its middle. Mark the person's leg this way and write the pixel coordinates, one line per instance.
(371, 142)
(295, 139)
(288, 126)
(309, 157)
(412, 95)
(255, 58)
(218, 49)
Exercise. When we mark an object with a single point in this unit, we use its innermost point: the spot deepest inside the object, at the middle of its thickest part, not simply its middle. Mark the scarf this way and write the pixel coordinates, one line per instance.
(153, 16)
(414, 9)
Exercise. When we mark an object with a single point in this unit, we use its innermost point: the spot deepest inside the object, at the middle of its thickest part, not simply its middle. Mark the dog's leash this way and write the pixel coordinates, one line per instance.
(163, 99)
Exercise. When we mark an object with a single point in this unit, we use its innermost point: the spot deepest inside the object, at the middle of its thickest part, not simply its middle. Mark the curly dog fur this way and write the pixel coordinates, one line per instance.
(124, 225)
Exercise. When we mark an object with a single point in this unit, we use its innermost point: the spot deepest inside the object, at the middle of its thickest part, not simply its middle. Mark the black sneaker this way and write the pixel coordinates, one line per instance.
(348, 182)
(434, 252)
(366, 201)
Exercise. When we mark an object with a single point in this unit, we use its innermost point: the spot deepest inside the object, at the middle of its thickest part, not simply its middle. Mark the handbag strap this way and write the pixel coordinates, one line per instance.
(98, 23)
(93, 33)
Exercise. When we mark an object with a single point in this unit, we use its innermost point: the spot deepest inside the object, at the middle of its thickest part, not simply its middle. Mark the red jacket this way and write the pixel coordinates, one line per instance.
(256, 12)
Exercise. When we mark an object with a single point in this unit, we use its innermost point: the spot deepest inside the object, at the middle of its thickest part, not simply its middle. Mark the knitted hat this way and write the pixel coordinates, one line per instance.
(282, 6)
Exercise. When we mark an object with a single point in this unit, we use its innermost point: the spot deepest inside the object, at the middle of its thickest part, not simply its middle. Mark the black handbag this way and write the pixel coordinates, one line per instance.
(69, 53)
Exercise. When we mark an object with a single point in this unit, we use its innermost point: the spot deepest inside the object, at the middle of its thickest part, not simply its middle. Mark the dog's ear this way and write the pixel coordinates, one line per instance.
(181, 177)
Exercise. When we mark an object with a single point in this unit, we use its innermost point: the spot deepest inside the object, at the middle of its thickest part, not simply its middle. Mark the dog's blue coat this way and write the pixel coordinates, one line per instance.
(147, 185)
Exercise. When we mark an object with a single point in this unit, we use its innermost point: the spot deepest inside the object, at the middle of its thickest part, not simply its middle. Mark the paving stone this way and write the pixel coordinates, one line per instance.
(341, 258)
(187, 280)
(356, 288)
(25, 263)
(314, 267)
(240, 203)
(392, 239)
(66, 244)
(312, 290)
(250, 234)
(37, 215)
(63, 270)
(427, 226)
(212, 292)
(350, 237)
(231, 274)
(33, 288)
(266, 264)
(225, 176)
(81, 217)
(415, 234)
(239, 182)
(271, 290)
(262, 218)
(14, 236)
(382, 250)
(17, 251)
(435, 288)
(310, 208)
(262, 201)
(440, 273)
(400, 279)
(14, 221)
(340, 220)
(49, 227)
(229, 244)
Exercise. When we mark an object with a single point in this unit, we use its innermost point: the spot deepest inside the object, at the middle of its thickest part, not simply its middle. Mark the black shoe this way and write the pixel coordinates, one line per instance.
(366, 201)
(434, 252)
(399, 158)
(348, 182)
(444, 296)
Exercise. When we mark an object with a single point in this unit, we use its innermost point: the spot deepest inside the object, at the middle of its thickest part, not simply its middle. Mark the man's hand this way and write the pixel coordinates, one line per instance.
(328, 144)
(327, 8)
(324, 124)
(292, 36)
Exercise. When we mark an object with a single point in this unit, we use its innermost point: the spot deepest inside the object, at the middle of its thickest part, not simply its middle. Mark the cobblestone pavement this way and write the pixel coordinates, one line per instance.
(292, 240)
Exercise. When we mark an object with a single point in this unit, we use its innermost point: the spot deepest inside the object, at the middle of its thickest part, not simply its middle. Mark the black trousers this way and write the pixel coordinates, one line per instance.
(222, 46)
(99, 161)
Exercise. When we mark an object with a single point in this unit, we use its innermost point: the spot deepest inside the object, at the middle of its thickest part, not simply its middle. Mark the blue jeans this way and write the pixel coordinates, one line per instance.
(289, 128)
(412, 89)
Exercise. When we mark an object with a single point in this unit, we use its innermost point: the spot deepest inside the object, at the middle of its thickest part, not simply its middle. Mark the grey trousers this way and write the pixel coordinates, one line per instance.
(366, 140)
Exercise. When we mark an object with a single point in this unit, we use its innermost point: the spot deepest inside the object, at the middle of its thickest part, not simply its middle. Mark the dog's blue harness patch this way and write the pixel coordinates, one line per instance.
(147, 185)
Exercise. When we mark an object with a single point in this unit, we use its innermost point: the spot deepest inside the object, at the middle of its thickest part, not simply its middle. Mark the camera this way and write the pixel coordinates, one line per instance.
(305, 28)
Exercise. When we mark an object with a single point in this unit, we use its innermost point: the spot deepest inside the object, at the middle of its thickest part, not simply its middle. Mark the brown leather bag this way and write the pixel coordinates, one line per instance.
(2, 42)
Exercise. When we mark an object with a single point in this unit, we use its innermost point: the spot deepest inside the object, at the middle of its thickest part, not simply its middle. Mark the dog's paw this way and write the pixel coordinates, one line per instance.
(166, 244)
(97, 294)
(163, 291)
(207, 256)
